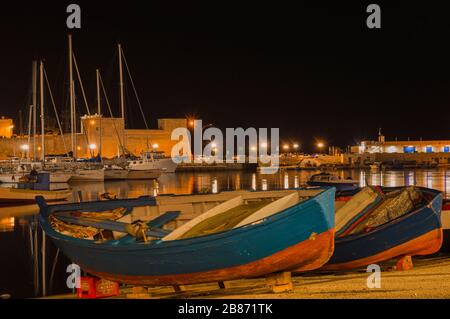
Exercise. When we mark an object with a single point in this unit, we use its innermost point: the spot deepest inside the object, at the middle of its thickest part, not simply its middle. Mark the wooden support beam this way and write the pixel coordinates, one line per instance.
(279, 282)
(179, 288)
(224, 284)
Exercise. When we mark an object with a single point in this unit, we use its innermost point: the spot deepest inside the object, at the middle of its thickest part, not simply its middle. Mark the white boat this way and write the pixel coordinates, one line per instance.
(114, 172)
(151, 161)
(144, 174)
(10, 196)
(60, 177)
(85, 174)
(11, 178)
(55, 177)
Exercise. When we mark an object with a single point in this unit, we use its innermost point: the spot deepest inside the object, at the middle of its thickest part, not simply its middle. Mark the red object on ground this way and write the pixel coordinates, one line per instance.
(404, 263)
(92, 288)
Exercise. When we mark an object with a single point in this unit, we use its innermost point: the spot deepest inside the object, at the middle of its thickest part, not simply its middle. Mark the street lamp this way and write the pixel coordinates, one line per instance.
(320, 146)
(92, 146)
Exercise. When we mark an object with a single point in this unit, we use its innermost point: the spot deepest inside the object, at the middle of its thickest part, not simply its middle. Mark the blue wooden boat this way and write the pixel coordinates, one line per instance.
(364, 236)
(240, 234)
(330, 180)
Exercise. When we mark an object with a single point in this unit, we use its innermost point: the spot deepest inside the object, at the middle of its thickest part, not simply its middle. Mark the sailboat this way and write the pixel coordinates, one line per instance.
(153, 162)
(33, 184)
(81, 172)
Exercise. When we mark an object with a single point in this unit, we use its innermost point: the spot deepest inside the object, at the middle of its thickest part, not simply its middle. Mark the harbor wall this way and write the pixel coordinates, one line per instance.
(97, 134)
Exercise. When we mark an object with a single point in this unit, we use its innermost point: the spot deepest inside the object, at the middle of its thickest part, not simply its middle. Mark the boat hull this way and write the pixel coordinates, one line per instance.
(417, 233)
(55, 177)
(14, 196)
(116, 174)
(144, 174)
(339, 186)
(93, 175)
(279, 242)
(164, 164)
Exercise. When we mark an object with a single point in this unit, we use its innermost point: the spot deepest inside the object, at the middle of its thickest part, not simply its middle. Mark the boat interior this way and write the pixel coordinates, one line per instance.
(181, 216)
(373, 207)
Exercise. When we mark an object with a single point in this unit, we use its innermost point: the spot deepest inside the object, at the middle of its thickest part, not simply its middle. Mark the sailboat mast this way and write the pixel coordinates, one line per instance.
(122, 103)
(71, 89)
(34, 85)
(97, 72)
(30, 117)
(41, 75)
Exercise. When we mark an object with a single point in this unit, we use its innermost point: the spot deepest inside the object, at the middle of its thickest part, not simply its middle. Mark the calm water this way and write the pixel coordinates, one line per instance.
(16, 224)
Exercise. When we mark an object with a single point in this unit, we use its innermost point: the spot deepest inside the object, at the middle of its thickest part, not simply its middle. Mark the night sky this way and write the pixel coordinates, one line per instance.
(314, 71)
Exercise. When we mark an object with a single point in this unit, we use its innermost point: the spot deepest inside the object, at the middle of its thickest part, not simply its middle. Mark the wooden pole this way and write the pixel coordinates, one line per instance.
(44, 270)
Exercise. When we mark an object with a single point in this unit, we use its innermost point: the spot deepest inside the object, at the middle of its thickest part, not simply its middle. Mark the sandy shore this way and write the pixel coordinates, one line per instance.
(430, 278)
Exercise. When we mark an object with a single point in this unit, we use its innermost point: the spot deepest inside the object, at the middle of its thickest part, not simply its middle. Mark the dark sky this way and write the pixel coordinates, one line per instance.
(314, 71)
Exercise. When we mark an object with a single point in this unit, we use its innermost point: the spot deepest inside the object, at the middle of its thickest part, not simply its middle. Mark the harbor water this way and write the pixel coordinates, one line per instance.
(18, 233)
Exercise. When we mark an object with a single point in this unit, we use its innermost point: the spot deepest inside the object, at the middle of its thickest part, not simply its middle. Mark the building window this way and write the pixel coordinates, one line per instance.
(409, 149)
(429, 149)
(446, 149)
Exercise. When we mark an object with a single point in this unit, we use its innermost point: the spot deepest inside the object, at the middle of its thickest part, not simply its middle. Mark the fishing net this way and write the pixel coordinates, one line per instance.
(86, 232)
(395, 205)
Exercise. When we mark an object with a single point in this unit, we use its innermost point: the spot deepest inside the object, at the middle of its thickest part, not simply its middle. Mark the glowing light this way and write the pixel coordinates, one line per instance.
(92, 146)
(92, 122)
(320, 144)
(25, 147)
(296, 183)
(155, 146)
(264, 184)
(264, 145)
(295, 146)
(215, 186)
(286, 181)
(78, 148)
(39, 148)
(285, 147)
(253, 148)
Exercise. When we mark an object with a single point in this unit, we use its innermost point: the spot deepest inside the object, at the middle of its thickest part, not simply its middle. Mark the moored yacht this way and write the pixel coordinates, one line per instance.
(153, 160)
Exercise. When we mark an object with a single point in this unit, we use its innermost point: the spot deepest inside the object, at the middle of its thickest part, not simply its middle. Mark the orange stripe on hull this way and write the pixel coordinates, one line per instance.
(428, 243)
(309, 254)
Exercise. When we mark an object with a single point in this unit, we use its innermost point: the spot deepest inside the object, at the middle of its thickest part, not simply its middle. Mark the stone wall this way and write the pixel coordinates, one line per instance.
(88, 142)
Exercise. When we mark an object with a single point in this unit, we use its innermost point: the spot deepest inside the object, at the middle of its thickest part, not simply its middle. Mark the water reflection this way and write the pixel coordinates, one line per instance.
(7, 224)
